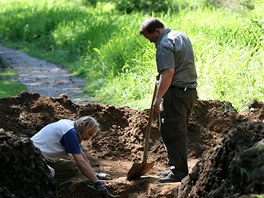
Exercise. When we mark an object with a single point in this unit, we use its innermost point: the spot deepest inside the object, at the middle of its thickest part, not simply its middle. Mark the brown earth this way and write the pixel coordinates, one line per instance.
(223, 159)
(226, 148)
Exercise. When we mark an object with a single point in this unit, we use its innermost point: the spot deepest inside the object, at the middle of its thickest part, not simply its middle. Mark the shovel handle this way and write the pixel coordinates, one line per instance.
(148, 131)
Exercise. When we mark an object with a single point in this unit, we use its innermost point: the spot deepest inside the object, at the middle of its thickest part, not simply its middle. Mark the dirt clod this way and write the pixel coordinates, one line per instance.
(225, 150)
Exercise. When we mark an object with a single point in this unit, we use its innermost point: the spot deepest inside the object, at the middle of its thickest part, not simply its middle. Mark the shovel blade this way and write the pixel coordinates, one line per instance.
(139, 169)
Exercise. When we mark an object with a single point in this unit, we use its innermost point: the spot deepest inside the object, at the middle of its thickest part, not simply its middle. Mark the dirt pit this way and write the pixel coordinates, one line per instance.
(226, 150)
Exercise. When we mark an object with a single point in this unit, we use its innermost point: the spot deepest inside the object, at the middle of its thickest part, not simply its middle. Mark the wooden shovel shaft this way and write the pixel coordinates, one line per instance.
(148, 131)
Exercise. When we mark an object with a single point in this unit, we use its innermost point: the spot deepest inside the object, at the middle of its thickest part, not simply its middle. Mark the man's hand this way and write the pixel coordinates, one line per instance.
(163, 85)
(103, 176)
(100, 187)
(156, 106)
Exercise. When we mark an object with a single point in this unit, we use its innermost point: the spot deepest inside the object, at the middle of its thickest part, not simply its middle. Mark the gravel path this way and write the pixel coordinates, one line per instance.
(43, 77)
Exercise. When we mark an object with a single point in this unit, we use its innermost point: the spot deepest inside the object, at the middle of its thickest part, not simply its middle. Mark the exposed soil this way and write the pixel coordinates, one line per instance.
(226, 150)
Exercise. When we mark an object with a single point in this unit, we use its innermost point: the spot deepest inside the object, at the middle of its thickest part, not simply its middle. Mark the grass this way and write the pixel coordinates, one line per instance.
(104, 47)
(7, 86)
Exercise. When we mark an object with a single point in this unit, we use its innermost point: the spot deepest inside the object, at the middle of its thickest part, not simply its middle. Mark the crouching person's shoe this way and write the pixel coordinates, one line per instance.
(169, 178)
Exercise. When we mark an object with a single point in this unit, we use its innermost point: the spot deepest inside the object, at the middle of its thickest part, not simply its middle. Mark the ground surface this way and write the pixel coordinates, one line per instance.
(42, 76)
(226, 149)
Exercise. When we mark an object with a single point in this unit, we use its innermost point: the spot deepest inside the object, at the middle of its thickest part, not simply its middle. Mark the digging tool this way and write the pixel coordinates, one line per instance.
(139, 169)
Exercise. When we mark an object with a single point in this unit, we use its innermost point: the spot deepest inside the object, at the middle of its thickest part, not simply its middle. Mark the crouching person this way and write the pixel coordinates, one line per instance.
(64, 137)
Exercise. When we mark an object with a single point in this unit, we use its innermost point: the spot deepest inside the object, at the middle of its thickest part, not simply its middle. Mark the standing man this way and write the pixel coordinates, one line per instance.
(176, 92)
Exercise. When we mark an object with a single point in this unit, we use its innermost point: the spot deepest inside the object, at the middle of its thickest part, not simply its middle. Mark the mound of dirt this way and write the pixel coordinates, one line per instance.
(23, 170)
(225, 149)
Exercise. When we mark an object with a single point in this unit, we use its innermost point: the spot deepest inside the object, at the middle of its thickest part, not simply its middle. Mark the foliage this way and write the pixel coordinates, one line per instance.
(10, 88)
(142, 5)
(163, 6)
(101, 44)
(7, 86)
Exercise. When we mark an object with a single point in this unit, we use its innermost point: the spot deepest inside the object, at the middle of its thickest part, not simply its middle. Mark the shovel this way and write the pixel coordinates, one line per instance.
(139, 169)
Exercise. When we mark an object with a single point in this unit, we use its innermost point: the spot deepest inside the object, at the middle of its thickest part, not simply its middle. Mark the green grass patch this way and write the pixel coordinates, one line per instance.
(9, 87)
(103, 46)
(7, 74)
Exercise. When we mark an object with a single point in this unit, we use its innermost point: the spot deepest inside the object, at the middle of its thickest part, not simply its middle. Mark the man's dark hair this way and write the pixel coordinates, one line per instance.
(150, 25)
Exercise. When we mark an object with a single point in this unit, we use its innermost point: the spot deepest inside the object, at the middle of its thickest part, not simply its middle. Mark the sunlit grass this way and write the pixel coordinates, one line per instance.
(104, 47)
(7, 86)
(7, 74)
(10, 88)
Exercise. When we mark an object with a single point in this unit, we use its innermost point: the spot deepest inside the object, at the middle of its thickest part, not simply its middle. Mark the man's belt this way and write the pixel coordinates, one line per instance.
(182, 88)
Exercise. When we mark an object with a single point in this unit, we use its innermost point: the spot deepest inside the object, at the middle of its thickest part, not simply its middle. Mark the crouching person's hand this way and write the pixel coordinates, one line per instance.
(100, 187)
(103, 176)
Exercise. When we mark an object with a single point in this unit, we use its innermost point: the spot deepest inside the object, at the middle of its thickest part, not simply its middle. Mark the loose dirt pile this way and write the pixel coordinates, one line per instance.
(226, 150)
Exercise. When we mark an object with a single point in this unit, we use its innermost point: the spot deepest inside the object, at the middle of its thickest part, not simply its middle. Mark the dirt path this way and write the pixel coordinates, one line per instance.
(43, 77)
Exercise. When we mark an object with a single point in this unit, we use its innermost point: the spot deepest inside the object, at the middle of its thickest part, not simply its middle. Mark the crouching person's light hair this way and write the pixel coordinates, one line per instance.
(86, 123)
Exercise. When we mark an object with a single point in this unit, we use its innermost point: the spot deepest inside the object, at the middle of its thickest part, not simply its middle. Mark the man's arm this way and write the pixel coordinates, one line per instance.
(85, 166)
(163, 85)
(84, 156)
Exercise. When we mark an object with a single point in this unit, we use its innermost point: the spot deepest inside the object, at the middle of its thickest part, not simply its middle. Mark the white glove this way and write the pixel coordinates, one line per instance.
(103, 176)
